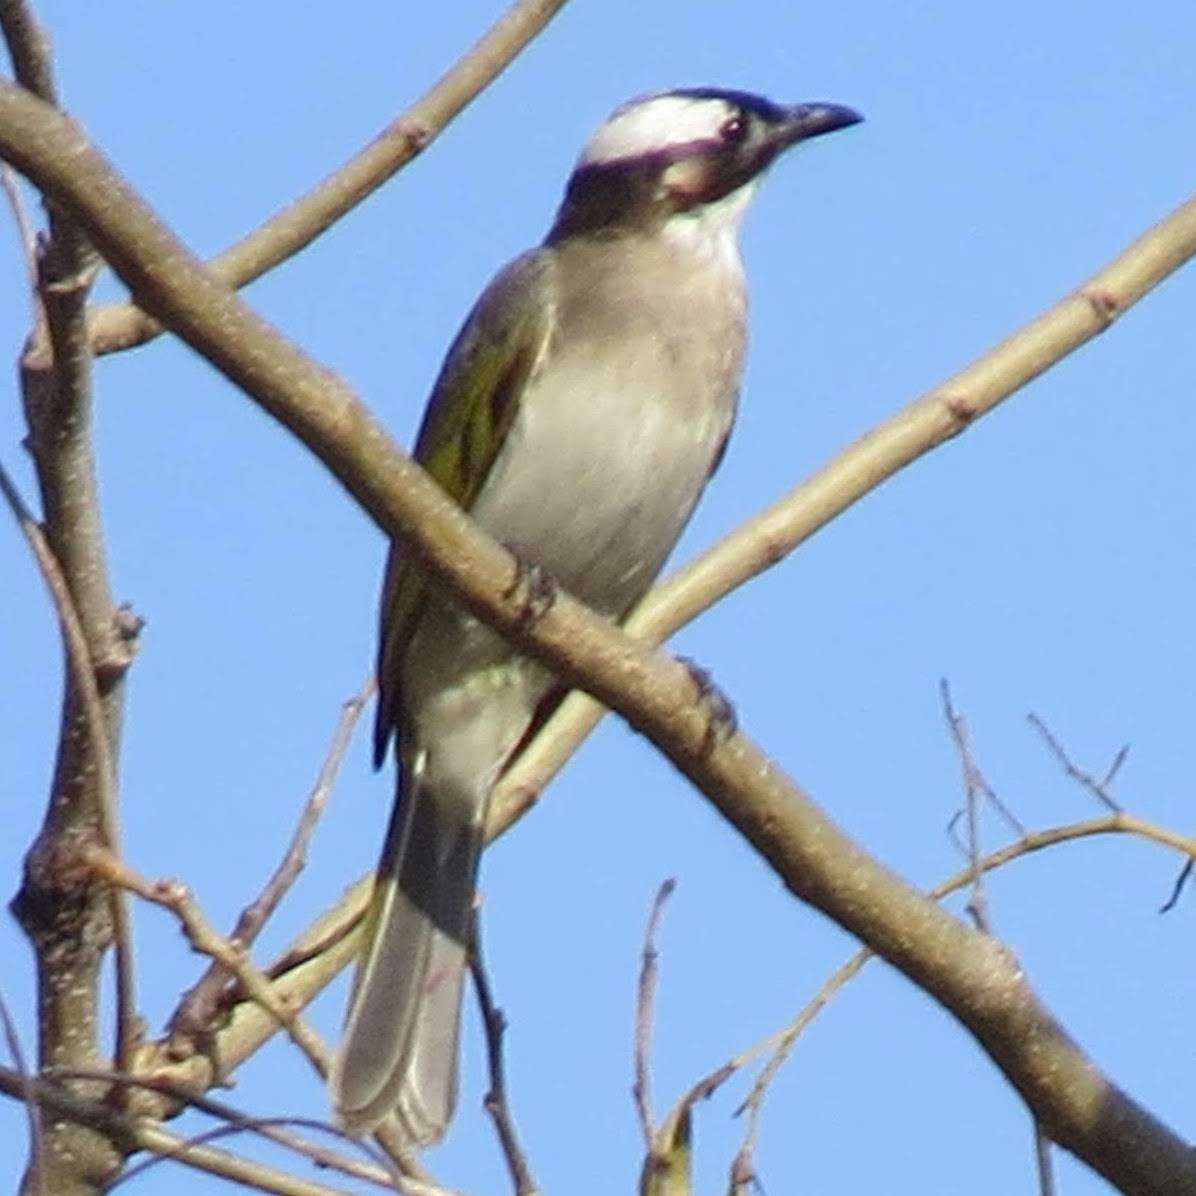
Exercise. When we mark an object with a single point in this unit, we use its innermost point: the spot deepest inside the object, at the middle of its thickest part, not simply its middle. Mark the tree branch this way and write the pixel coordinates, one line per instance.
(931, 420)
(69, 919)
(134, 1133)
(497, 1100)
(203, 937)
(197, 1008)
(116, 326)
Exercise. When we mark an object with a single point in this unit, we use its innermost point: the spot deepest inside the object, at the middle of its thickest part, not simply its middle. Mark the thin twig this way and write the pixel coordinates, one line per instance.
(1119, 758)
(781, 1042)
(139, 1133)
(497, 1104)
(116, 326)
(974, 786)
(84, 678)
(1099, 789)
(203, 937)
(644, 998)
(1044, 1165)
(33, 1174)
(272, 1128)
(25, 233)
(174, 896)
(1185, 874)
(198, 1006)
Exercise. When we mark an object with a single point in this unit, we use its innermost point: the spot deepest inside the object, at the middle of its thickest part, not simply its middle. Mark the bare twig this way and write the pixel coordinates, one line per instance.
(497, 1104)
(82, 672)
(272, 997)
(1098, 788)
(276, 1130)
(645, 996)
(197, 1008)
(139, 1133)
(78, 657)
(117, 326)
(781, 1042)
(1185, 875)
(273, 1128)
(28, 1094)
(174, 896)
(25, 233)
(1119, 758)
(1043, 1162)
(974, 787)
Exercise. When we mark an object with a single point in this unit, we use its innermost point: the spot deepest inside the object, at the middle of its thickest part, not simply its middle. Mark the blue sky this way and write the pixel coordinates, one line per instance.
(1040, 562)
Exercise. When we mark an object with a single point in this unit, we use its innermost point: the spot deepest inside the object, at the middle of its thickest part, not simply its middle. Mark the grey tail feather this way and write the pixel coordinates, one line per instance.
(400, 1044)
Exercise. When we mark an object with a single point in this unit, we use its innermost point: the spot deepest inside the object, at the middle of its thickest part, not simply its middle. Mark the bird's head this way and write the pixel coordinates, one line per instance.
(685, 152)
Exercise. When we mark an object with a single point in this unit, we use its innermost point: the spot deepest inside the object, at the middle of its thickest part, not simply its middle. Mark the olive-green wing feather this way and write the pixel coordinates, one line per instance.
(469, 414)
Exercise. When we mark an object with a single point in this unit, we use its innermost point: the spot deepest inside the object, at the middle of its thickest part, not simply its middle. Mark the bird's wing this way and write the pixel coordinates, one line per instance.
(469, 414)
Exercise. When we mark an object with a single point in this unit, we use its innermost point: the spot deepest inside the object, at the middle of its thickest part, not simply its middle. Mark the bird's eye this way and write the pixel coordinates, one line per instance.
(734, 129)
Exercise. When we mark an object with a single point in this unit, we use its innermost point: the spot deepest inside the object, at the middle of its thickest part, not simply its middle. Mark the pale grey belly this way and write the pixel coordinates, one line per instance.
(595, 484)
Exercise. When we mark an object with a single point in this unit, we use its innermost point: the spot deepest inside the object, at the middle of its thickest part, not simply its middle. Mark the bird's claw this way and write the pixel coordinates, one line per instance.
(533, 587)
(722, 720)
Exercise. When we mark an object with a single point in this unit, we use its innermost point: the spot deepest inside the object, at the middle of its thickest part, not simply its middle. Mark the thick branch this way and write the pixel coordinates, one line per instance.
(932, 419)
(69, 918)
(967, 973)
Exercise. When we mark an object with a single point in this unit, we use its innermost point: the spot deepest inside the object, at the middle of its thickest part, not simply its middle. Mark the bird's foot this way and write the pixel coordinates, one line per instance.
(533, 587)
(722, 720)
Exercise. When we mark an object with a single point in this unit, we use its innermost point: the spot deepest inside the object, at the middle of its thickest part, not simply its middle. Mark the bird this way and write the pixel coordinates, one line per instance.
(577, 417)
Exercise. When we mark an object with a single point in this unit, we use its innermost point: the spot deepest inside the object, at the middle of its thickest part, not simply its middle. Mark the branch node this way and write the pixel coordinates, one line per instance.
(962, 410)
(416, 133)
(1104, 304)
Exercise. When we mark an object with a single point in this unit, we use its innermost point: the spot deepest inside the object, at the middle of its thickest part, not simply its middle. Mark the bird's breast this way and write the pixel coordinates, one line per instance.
(613, 442)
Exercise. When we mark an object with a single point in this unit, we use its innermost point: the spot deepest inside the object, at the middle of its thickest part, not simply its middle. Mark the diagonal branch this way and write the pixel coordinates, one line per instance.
(135, 1133)
(780, 1043)
(199, 1005)
(966, 972)
(116, 326)
(941, 413)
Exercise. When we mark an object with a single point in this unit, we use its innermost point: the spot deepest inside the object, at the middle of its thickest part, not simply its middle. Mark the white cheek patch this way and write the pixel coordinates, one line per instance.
(650, 125)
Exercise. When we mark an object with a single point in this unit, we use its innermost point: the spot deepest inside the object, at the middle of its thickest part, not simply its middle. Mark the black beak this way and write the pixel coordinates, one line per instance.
(803, 121)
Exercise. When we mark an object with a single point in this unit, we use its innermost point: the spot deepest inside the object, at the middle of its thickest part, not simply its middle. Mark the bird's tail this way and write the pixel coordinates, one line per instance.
(400, 1044)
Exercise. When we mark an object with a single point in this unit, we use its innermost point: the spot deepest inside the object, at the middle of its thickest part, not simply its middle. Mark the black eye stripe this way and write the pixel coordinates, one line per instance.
(734, 128)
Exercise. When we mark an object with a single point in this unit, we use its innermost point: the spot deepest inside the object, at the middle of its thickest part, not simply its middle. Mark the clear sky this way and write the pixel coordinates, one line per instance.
(1041, 562)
